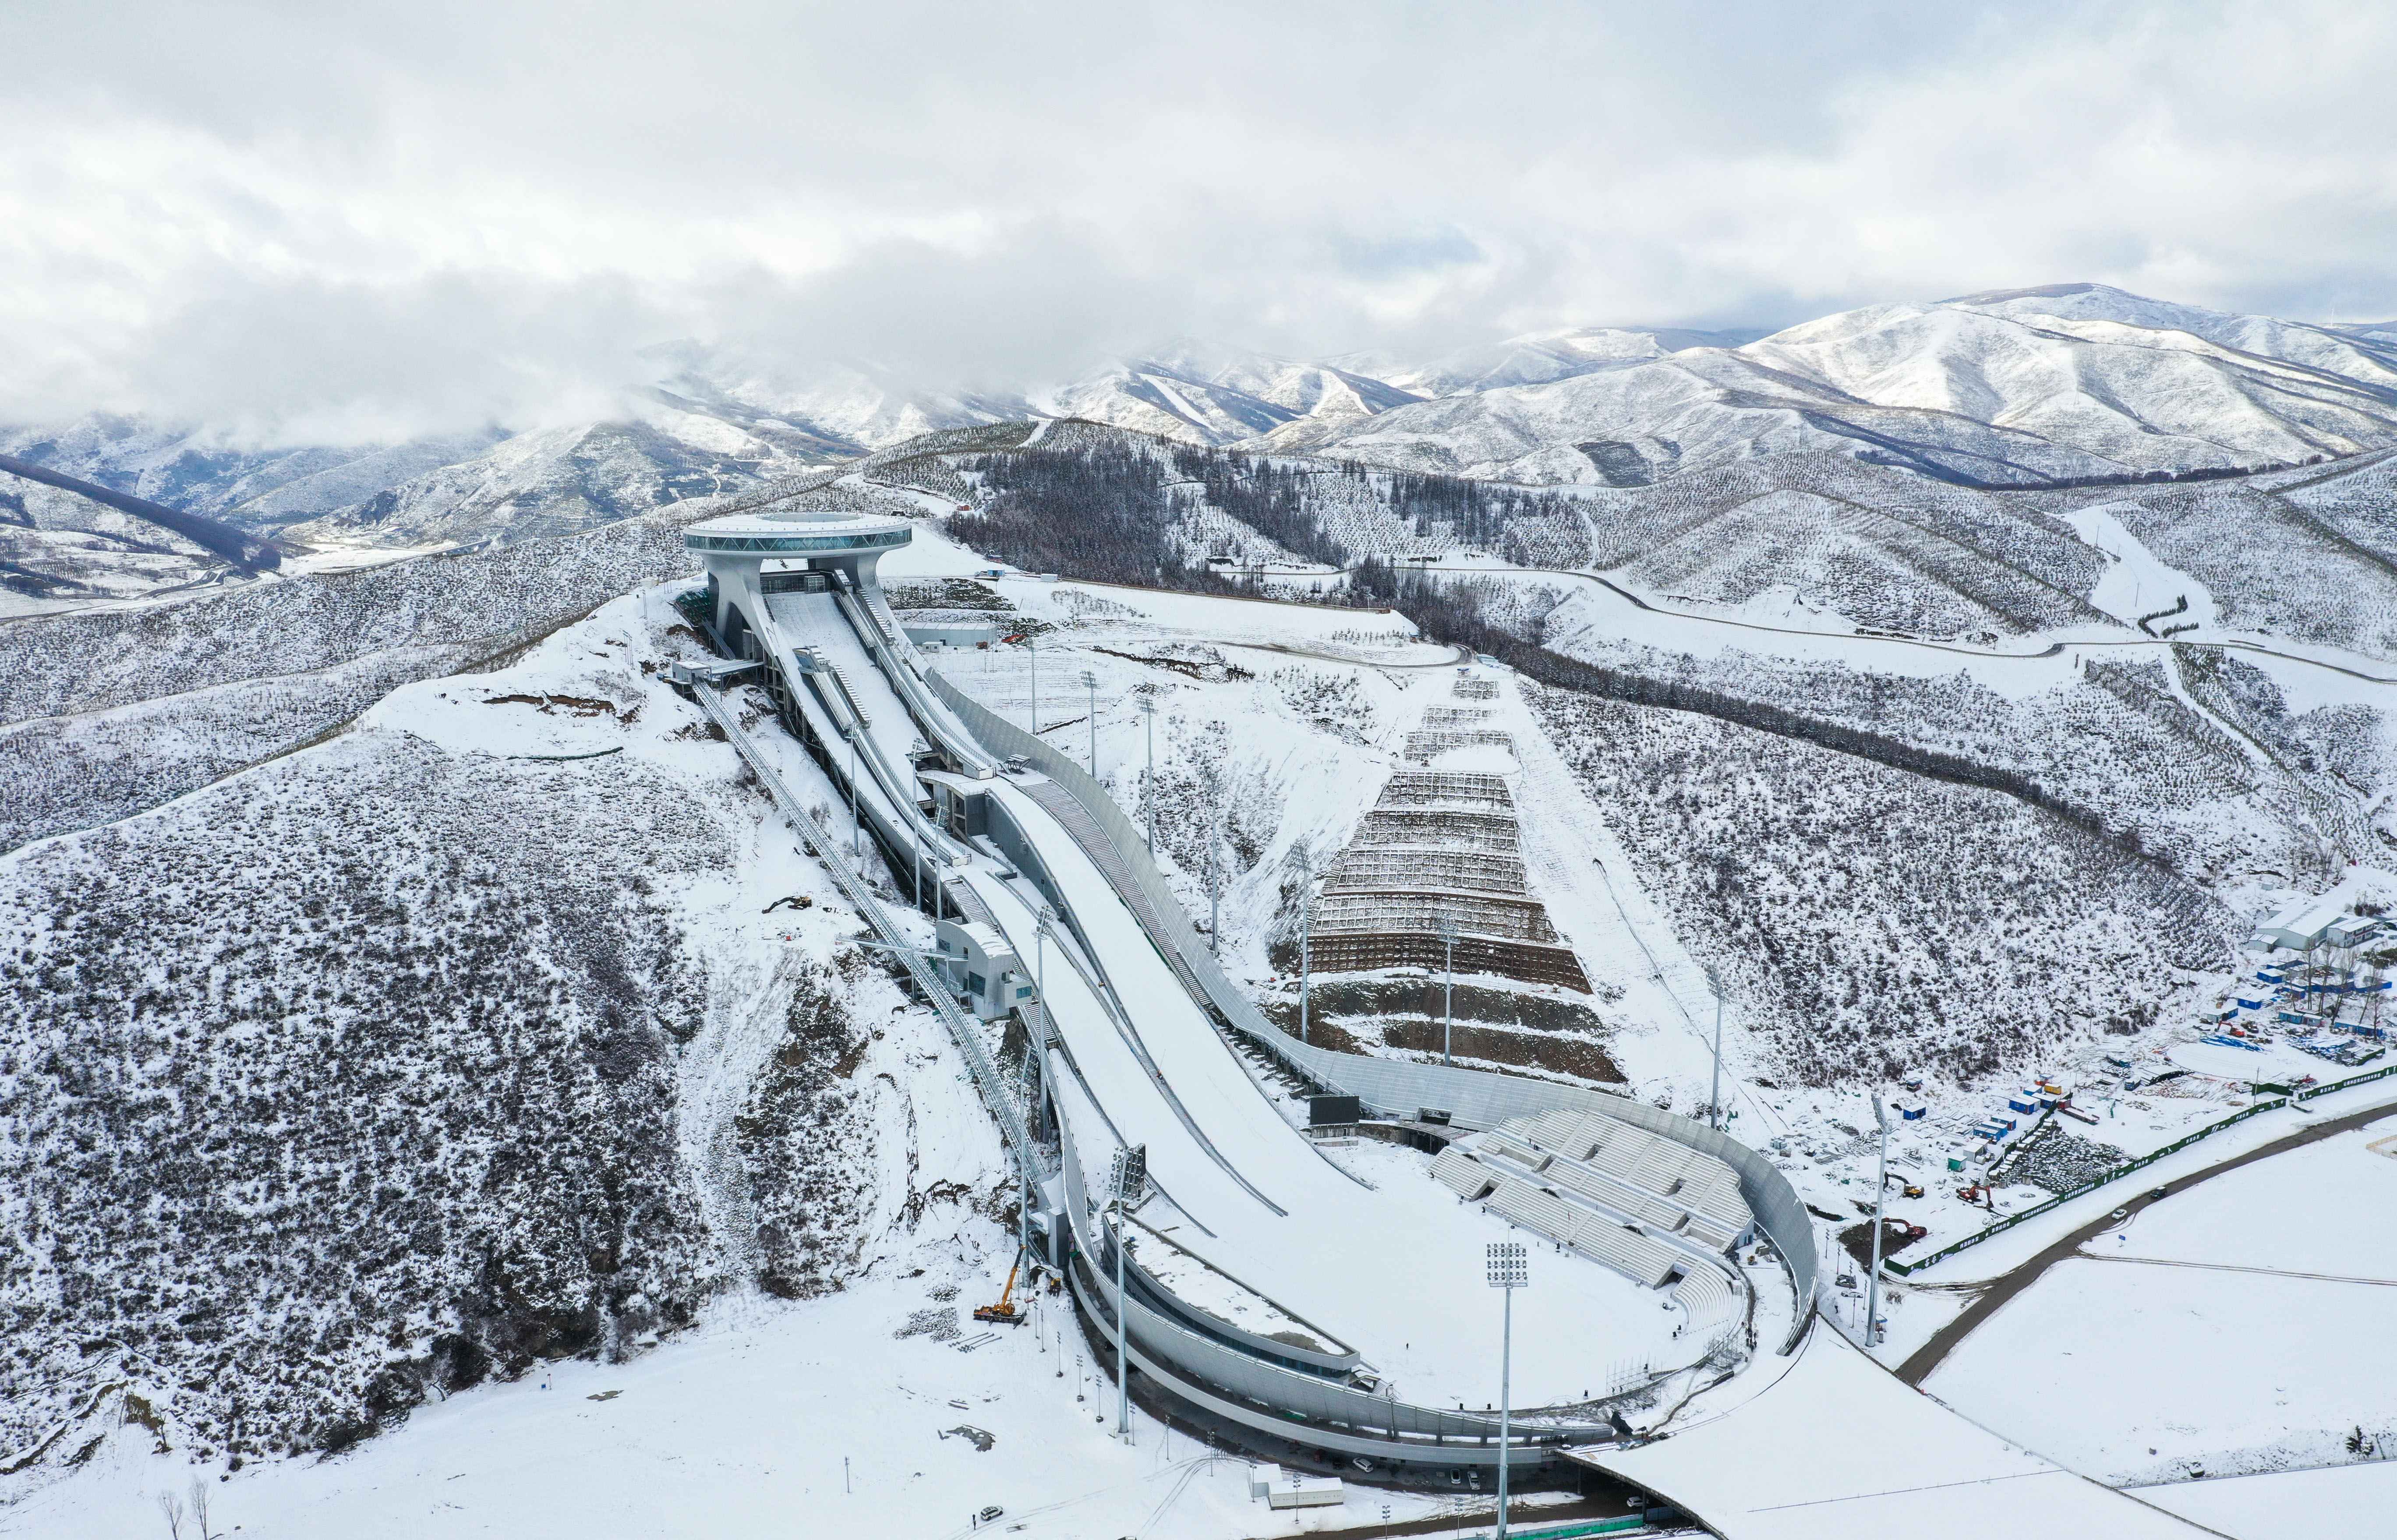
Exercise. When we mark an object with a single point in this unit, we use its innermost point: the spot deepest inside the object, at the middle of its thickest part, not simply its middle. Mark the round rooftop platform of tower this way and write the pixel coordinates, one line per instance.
(798, 533)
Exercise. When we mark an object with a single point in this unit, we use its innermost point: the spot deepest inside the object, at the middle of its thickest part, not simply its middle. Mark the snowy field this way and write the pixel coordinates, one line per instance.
(2197, 1341)
(2342, 1503)
(744, 1429)
(2329, 1207)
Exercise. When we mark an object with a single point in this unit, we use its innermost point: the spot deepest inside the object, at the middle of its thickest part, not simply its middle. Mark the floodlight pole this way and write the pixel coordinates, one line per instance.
(1714, 1096)
(1448, 992)
(1032, 646)
(1123, 1184)
(1123, 1364)
(1505, 1401)
(1040, 958)
(1506, 1272)
(1148, 785)
(1216, 882)
(1881, 1196)
(1306, 926)
(1090, 682)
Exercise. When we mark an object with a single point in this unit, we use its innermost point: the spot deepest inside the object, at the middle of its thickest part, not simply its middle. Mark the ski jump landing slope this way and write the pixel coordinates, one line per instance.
(1839, 1447)
(1392, 1271)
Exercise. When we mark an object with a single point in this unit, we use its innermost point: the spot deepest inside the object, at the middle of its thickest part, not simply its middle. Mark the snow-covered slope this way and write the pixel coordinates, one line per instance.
(451, 1046)
(2143, 393)
(1152, 398)
(2014, 387)
(1535, 358)
(831, 409)
(556, 481)
(203, 469)
(59, 549)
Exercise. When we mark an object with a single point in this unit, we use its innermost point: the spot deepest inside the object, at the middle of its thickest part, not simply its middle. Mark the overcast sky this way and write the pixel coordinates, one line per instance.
(313, 220)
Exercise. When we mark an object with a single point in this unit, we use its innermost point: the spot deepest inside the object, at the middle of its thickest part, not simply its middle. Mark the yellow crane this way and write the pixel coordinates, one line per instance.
(1006, 1312)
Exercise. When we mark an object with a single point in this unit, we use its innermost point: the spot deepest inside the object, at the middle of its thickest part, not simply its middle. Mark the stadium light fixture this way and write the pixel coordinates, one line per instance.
(1507, 1271)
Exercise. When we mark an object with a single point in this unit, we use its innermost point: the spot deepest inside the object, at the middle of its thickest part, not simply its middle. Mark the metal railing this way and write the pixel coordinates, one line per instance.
(822, 844)
(1274, 1398)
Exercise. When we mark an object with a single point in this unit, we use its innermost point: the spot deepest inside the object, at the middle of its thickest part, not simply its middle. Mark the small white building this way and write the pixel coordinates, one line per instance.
(983, 971)
(2302, 925)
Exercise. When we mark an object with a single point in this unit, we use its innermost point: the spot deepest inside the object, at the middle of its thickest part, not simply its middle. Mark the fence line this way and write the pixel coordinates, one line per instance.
(1905, 1269)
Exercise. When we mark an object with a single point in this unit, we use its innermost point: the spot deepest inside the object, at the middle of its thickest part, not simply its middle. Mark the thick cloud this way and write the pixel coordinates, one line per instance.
(309, 220)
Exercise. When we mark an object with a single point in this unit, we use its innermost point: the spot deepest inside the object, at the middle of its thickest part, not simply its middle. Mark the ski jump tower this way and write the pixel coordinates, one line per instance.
(795, 593)
(805, 549)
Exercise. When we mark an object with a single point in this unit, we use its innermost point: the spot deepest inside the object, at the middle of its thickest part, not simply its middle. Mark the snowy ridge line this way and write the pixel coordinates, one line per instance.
(1559, 671)
(1474, 1098)
(820, 845)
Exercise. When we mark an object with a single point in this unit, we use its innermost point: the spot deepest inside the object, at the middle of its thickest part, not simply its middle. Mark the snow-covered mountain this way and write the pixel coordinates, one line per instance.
(2016, 387)
(2027, 387)
(817, 410)
(1537, 358)
(554, 481)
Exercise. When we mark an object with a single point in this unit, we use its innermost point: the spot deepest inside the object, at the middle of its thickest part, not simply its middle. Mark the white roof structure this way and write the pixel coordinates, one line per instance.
(2301, 924)
(796, 532)
(1839, 1447)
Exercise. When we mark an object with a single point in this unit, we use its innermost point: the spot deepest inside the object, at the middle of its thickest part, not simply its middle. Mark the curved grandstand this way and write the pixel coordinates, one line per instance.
(1312, 1309)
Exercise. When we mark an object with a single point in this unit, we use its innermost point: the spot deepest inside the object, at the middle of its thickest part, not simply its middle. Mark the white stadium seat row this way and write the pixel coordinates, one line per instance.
(1639, 1174)
(1706, 1295)
(1586, 1181)
(1462, 1174)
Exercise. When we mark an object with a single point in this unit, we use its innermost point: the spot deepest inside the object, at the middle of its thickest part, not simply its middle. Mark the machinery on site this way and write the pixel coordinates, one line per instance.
(1006, 1312)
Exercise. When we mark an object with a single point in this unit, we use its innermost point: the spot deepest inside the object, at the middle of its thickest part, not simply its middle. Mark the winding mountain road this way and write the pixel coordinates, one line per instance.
(1919, 1364)
(1883, 639)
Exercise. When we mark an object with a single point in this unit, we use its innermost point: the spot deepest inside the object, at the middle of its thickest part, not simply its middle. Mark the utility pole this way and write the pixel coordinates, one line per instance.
(1881, 1196)
(1215, 881)
(1091, 683)
(1508, 1272)
(1714, 1097)
(1448, 992)
(1040, 958)
(1306, 930)
(1148, 785)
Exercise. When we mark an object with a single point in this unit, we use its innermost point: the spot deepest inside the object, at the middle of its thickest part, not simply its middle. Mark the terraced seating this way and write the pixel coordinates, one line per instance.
(1462, 1174)
(1543, 1213)
(1707, 1296)
(1635, 1256)
(1509, 1145)
(1588, 1180)
(1628, 1202)
(1568, 1133)
(1623, 1151)
(1642, 1175)
(1665, 1167)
